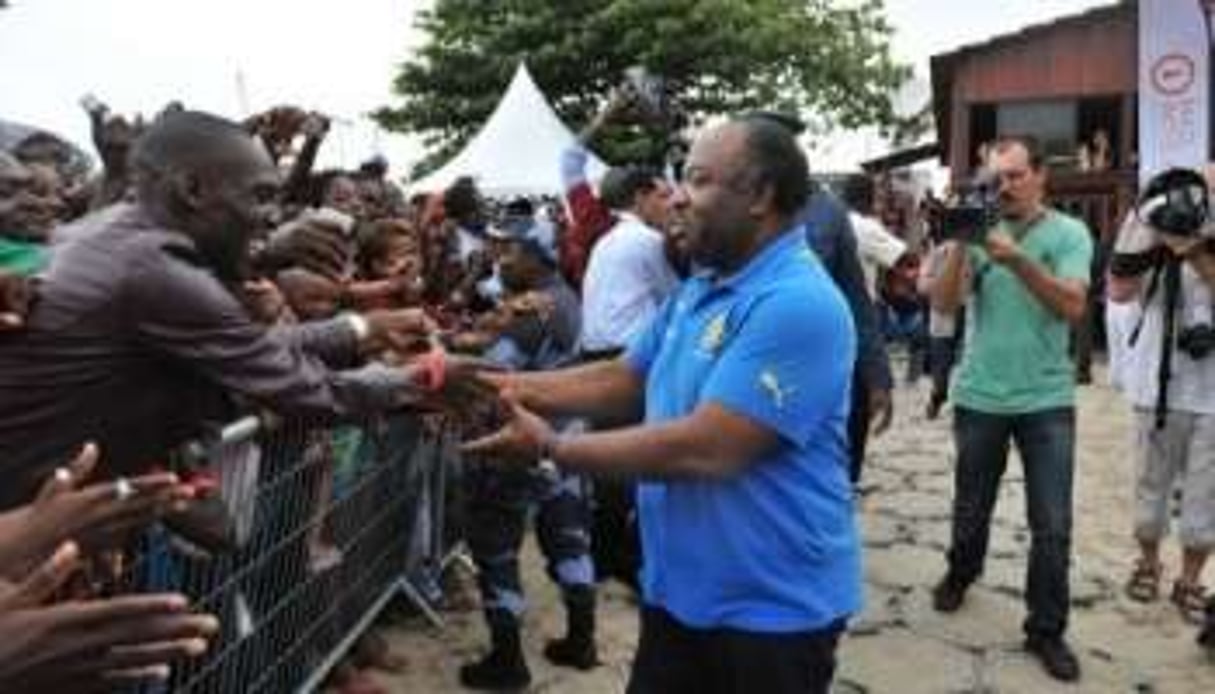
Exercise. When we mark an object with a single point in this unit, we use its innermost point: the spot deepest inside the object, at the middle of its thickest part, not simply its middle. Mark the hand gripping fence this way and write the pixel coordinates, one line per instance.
(323, 528)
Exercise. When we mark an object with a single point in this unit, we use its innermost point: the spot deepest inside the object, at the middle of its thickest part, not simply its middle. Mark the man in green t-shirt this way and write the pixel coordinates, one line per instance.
(1023, 286)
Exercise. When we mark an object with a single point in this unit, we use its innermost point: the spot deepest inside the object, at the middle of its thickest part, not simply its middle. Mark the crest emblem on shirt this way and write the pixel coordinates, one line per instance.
(770, 383)
(714, 335)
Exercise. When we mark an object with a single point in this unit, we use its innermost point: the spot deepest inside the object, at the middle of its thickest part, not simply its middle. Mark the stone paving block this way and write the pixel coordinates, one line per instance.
(1014, 671)
(918, 665)
(903, 566)
(986, 620)
(912, 505)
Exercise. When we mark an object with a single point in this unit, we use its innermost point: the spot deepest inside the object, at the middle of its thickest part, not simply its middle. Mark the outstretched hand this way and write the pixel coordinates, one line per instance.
(98, 516)
(16, 293)
(99, 645)
(456, 381)
(526, 437)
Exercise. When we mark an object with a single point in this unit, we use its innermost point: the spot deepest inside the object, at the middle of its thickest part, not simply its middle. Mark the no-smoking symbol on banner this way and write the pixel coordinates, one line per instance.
(1173, 74)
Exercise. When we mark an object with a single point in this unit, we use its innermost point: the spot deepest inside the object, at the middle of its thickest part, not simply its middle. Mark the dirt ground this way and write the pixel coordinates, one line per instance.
(899, 644)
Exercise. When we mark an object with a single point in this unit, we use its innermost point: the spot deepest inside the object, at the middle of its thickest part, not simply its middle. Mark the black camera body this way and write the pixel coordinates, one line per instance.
(1197, 340)
(976, 211)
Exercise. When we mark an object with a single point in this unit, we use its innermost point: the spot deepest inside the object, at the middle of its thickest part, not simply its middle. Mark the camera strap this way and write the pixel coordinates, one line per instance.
(1172, 292)
(1170, 270)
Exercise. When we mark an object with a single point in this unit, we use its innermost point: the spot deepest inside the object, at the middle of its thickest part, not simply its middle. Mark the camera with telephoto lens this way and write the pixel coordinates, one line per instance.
(645, 95)
(976, 210)
(1176, 203)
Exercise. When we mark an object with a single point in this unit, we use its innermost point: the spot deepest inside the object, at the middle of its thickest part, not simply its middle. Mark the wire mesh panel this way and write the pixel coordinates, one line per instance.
(319, 523)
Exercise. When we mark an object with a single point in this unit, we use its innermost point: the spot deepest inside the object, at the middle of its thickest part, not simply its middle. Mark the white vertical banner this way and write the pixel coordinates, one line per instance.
(1174, 85)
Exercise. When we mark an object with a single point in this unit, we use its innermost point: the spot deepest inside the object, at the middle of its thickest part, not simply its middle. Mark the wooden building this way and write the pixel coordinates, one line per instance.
(1073, 84)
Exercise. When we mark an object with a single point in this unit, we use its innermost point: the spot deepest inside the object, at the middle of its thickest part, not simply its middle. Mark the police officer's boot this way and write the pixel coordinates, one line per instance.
(577, 649)
(504, 668)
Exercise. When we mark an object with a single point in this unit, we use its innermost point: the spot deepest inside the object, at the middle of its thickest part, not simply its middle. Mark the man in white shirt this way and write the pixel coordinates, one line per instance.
(1168, 374)
(875, 245)
(628, 276)
(627, 279)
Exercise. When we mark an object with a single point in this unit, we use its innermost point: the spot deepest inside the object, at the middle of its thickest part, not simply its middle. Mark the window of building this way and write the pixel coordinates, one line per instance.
(1077, 134)
(1053, 123)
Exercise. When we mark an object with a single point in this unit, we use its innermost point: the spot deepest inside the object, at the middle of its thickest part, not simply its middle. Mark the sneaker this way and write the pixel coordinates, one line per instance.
(1056, 657)
(949, 594)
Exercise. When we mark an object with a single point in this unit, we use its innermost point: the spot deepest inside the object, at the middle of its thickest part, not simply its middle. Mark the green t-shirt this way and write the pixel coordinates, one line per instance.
(1015, 358)
(21, 257)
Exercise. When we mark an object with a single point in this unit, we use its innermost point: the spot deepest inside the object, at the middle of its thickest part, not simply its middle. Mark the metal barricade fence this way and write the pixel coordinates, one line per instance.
(324, 520)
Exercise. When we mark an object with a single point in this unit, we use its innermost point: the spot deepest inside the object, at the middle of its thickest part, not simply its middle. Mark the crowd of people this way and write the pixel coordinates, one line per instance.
(675, 378)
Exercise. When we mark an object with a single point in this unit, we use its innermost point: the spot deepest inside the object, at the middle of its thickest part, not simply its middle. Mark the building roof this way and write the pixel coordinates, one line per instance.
(902, 157)
(943, 65)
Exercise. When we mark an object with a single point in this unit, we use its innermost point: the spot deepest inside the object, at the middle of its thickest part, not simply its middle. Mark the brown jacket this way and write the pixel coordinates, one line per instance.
(133, 343)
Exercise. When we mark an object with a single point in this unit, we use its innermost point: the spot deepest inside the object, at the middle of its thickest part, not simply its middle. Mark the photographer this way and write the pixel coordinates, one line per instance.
(1024, 282)
(1164, 261)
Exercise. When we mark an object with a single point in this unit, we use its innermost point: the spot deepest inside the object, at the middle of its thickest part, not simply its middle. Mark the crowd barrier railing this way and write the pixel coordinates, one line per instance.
(328, 525)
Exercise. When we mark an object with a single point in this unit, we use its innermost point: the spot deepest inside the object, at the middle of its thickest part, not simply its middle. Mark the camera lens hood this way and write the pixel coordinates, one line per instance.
(1176, 202)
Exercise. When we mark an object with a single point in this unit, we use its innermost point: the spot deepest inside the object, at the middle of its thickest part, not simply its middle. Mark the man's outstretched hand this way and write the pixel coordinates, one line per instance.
(97, 516)
(98, 645)
(525, 437)
(315, 243)
(455, 382)
(16, 293)
(405, 331)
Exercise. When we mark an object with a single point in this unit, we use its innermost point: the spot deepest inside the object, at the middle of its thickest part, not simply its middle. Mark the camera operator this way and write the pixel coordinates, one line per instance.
(1164, 261)
(1025, 282)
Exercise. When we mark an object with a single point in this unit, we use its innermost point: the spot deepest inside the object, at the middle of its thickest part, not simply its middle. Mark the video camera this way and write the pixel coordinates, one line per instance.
(646, 97)
(976, 210)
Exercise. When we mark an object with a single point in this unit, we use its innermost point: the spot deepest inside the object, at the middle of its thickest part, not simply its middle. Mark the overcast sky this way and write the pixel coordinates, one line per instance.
(338, 57)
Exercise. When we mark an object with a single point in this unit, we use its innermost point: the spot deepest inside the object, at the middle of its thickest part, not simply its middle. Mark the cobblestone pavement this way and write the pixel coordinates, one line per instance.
(899, 644)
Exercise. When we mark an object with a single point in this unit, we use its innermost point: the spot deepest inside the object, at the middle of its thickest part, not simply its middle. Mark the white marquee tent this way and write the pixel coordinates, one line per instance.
(517, 151)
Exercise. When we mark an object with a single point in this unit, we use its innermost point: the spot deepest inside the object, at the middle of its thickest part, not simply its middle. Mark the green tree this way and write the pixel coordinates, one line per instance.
(828, 59)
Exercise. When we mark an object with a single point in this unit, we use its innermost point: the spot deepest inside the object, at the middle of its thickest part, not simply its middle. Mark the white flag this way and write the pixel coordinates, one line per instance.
(1174, 85)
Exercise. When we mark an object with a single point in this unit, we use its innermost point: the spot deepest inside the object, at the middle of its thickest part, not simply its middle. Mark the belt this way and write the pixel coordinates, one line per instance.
(600, 354)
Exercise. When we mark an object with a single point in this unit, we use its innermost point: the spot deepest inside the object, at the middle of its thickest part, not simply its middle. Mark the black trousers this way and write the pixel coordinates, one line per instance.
(858, 425)
(675, 659)
(615, 534)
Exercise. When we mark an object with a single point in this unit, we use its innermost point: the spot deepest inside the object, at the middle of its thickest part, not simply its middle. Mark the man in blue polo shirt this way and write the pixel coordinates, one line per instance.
(752, 561)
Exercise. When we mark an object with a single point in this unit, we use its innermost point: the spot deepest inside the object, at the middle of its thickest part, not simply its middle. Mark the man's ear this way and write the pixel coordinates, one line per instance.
(763, 198)
(187, 189)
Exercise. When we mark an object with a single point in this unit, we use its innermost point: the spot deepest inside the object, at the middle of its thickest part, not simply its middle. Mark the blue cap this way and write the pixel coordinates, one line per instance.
(536, 236)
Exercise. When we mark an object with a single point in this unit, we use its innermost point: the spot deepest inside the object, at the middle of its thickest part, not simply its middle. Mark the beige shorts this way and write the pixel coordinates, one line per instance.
(1181, 455)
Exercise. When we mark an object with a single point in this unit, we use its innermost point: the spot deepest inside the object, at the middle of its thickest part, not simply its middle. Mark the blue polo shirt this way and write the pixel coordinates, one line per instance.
(774, 548)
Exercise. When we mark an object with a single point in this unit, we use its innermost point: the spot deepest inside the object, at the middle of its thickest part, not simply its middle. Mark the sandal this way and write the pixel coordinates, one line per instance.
(1191, 599)
(1144, 584)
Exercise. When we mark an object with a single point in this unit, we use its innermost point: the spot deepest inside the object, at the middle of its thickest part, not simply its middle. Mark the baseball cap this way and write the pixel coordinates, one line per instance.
(537, 237)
